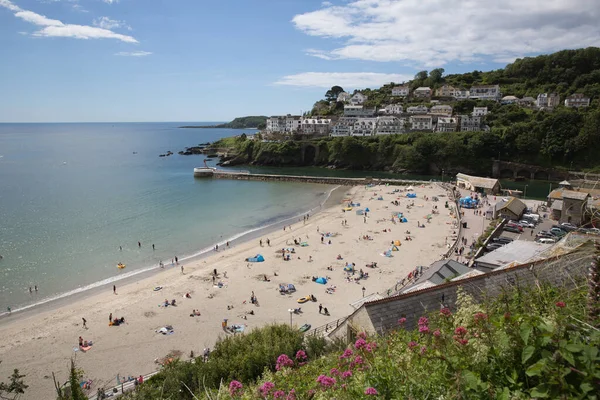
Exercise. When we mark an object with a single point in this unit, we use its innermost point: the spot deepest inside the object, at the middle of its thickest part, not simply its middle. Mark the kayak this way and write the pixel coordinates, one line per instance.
(120, 266)
(303, 299)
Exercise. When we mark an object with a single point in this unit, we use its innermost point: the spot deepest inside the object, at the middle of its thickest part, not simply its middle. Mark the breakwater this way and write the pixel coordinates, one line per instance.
(244, 175)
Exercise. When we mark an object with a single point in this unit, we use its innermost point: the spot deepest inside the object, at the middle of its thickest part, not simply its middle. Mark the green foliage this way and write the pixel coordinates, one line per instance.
(332, 94)
(15, 386)
(239, 123)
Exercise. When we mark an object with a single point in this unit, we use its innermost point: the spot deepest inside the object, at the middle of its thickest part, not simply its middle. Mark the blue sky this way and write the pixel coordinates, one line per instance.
(201, 60)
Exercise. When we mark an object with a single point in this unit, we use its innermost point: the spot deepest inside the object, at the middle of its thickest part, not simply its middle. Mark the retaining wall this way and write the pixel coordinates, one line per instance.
(316, 179)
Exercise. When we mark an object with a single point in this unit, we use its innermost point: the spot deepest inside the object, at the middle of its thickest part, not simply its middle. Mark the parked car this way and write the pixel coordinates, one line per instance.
(557, 232)
(493, 246)
(515, 225)
(513, 228)
(546, 240)
(568, 227)
(527, 224)
(594, 230)
(502, 239)
(583, 230)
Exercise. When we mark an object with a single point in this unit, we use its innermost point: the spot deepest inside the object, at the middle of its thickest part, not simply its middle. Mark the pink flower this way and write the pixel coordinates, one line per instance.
(370, 391)
(358, 360)
(412, 345)
(423, 329)
(283, 361)
(326, 381)
(360, 343)
(560, 304)
(461, 330)
(344, 386)
(300, 355)
(423, 321)
(265, 388)
(347, 354)
(346, 374)
(480, 317)
(235, 388)
(291, 395)
(437, 333)
(463, 341)
(279, 394)
(362, 335)
(423, 350)
(334, 371)
(446, 312)
(401, 321)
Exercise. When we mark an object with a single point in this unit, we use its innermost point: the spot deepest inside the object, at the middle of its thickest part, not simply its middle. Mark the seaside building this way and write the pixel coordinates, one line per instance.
(512, 209)
(446, 124)
(485, 92)
(421, 122)
(509, 100)
(344, 97)
(478, 184)
(284, 123)
(461, 93)
(390, 125)
(358, 99)
(364, 127)
(358, 111)
(442, 109)
(545, 100)
(393, 109)
(479, 111)
(527, 101)
(577, 100)
(470, 123)
(422, 92)
(316, 126)
(446, 91)
(417, 110)
(343, 126)
(400, 91)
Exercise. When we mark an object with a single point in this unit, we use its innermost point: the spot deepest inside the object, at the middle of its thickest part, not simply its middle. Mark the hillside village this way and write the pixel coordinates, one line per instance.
(422, 109)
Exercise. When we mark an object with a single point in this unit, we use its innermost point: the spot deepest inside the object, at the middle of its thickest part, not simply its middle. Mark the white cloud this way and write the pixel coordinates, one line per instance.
(110, 1)
(107, 23)
(435, 32)
(133, 53)
(345, 79)
(56, 28)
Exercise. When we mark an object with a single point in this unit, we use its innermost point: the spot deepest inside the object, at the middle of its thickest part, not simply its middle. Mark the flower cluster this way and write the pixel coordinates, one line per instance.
(401, 321)
(235, 388)
(371, 391)
(266, 388)
(423, 325)
(347, 354)
(326, 381)
(360, 343)
(560, 304)
(459, 335)
(301, 355)
(412, 345)
(283, 361)
(279, 394)
(446, 312)
(480, 317)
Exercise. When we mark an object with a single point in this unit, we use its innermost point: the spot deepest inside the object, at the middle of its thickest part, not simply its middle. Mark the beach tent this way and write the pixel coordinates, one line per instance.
(367, 209)
(394, 248)
(257, 258)
(403, 219)
(410, 188)
(321, 280)
(411, 195)
(348, 268)
(397, 243)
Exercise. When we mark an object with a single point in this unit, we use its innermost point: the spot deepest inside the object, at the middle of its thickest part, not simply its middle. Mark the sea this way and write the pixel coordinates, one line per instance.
(72, 194)
(75, 200)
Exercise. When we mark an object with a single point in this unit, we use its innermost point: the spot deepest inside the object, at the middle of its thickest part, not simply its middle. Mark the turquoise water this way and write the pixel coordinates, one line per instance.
(71, 194)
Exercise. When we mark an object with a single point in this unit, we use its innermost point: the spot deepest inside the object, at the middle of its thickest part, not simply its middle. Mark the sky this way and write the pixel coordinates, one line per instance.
(213, 60)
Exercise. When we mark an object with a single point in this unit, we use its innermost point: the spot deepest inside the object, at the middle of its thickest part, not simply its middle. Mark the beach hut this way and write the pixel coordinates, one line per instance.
(257, 258)
(321, 280)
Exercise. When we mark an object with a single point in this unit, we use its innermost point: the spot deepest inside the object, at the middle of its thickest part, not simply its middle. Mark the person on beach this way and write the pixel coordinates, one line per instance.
(260, 242)
(30, 291)
(227, 243)
(182, 270)
(160, 264)
(115, 289)
(9, 310)
(176, 260)
(35, 288)
(215, 272)
(120, 248)
(84, 322)
(320, 308)
(110, 317)
(213, 279)
(325, 311)
(152, 246)
(268, 242)
(139, 244)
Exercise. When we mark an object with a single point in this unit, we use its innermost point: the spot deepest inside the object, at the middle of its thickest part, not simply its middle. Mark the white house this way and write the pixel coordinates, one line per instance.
(510, 100)
(316, 126)
(293, 123)
(485, 92)
(358, 98)
(442, 109)
(577, 100)
(389, 125)
(400, 91)
(479, 111)
(417, 110)
(548, 100)
(421, 122)
(284, 123)
(422, 92)
(358, 111)
(276, 124)
(447, 124)
(470, 123)
(461, 93)
(343, 126)
(394, 109)
(344, 97)
(364, 127)
(446, 91)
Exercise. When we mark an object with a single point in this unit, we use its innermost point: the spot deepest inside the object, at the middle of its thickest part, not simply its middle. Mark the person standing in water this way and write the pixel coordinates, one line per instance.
(36, 288)
(120, 248)
(139, 244)
(176, 260)
(152, 246)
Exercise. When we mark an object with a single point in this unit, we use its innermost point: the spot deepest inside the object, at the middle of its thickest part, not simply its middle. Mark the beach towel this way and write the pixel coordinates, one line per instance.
(85, 348)
(321, 280)
(303, 244)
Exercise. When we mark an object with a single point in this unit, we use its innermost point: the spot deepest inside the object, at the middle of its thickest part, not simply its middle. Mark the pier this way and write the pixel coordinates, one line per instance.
(247, 176)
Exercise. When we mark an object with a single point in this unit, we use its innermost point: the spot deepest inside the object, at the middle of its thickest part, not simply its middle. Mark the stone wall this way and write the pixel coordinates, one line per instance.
(382, 315)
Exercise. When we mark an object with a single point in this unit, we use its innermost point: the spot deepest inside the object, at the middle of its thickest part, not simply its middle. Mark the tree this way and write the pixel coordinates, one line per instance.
(421, 76)
(436, 75)
(333, 93)
(14, 388)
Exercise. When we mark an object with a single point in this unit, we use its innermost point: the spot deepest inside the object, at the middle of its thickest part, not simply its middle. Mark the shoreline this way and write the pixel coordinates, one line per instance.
(93, 288)
(44, 341)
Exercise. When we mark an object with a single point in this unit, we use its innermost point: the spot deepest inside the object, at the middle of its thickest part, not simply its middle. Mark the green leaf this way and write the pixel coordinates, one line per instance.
(586, 387)
(574, 348)
(504, 395)
(525, 332)
(536, 369)
(471, 379)
(540, 391)
(527, 353)
(567, 356)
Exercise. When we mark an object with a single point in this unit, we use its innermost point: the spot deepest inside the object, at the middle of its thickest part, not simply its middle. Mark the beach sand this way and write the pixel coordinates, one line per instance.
(43, 343)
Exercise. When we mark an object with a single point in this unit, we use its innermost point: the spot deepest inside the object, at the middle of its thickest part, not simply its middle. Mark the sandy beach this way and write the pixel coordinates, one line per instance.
(43, 343)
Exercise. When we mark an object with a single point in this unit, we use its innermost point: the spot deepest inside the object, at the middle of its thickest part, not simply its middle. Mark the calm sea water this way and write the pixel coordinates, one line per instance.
(71, 194)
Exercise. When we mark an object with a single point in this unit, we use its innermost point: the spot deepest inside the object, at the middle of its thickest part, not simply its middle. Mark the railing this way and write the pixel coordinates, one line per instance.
(324, 329)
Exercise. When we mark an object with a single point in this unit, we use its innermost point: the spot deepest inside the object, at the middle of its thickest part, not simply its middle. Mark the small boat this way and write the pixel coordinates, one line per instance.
(305, 327)
(303, 299)
(121, 265)
(204, 172)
